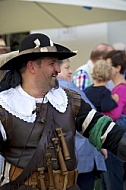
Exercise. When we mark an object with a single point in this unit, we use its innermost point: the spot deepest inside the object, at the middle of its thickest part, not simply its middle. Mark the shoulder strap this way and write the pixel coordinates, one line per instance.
(75, 100)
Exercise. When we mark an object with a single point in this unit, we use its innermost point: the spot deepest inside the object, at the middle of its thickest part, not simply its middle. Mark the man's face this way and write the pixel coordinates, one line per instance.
(47, 72)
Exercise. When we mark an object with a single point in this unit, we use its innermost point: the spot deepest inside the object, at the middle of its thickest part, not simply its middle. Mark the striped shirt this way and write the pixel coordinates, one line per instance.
(82, 77)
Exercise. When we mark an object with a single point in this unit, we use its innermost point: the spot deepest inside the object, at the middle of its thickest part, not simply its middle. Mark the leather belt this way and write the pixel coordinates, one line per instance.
(61, 181)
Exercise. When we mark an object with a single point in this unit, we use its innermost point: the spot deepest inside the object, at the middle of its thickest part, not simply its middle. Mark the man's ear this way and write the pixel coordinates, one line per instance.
(31, 66)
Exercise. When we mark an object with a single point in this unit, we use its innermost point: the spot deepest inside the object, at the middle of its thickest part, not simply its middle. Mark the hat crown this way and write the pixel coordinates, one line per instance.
(35, 40)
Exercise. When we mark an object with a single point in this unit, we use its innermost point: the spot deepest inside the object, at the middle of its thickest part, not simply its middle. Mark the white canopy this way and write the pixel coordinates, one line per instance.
(105, 4)
(25, 15)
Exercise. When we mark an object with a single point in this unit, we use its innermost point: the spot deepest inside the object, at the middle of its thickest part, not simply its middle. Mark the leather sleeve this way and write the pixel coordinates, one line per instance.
(121, 151)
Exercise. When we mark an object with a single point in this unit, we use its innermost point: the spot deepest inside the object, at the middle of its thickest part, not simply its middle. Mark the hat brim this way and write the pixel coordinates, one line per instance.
(18, 61)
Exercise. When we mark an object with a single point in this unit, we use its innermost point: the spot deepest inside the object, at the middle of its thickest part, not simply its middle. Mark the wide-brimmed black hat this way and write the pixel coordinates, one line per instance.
(35, 46)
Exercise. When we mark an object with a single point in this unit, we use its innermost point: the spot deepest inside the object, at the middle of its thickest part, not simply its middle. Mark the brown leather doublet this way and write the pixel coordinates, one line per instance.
(23, 137)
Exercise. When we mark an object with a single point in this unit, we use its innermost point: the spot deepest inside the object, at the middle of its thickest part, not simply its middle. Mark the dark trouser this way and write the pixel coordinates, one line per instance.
(86, 181)
(113, 178)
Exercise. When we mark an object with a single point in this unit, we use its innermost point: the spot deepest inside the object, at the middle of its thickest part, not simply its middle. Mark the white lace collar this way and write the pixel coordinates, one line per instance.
(20, 104)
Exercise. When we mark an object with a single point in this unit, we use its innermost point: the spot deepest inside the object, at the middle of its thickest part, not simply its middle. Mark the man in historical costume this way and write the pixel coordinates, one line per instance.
(39, 120)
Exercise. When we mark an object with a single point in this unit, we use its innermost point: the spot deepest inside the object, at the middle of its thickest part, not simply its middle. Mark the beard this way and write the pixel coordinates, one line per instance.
(54, 84)
(57, 84)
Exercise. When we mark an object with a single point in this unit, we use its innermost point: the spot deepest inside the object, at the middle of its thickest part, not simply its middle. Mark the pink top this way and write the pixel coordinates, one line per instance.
(121, 109)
